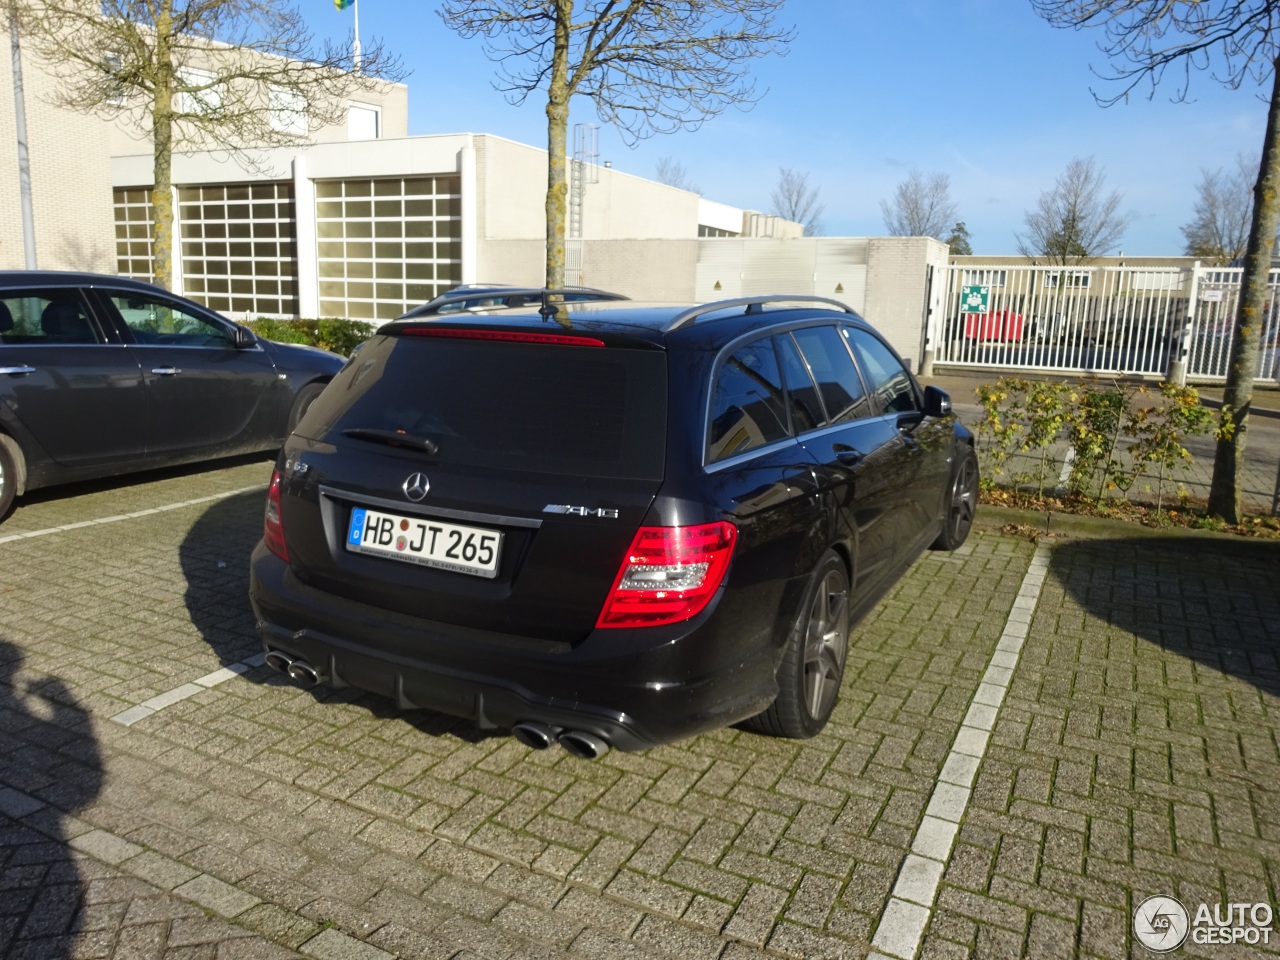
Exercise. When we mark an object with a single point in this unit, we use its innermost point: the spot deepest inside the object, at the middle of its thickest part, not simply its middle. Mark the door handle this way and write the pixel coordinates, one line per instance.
(20, 370)
(849, 456)
(166, 371)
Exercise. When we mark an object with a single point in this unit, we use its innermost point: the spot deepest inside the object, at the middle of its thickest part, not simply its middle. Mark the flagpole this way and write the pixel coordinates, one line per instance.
(355, 45)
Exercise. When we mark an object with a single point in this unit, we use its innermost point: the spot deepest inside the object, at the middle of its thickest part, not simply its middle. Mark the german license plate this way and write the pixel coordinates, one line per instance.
(431, 543)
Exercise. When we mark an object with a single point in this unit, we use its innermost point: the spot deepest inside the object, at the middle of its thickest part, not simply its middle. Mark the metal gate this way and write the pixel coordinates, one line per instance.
(1098, 320)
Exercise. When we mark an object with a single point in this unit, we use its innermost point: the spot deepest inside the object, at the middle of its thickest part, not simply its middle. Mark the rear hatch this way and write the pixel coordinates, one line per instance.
(488, 477)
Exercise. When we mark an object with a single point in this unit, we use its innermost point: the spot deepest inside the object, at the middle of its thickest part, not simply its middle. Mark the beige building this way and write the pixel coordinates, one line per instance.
(70, 156)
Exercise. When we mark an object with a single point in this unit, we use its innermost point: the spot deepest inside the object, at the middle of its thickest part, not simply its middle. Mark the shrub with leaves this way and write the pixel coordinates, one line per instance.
(1115, 434)
(1159, 431)
(329, 333)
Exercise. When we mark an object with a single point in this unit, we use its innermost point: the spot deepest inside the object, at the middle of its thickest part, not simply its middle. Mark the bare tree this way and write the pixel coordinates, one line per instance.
(794, 199)
(673, 174)
(1238, 43)
(1219, 231)
(197, 74)
(649, 67)
(921, 206)
(1076, 220)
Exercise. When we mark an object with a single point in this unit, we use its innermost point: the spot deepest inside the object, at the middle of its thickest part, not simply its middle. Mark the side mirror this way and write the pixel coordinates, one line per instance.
(937, 403)
(242, 337)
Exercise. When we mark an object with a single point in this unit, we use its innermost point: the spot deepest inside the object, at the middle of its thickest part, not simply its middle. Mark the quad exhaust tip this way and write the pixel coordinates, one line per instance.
(540, 736)
(295, 668)
(582, 744)
(536, 736)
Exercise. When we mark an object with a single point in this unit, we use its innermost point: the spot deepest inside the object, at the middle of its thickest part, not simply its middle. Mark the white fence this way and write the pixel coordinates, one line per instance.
(1116, 320)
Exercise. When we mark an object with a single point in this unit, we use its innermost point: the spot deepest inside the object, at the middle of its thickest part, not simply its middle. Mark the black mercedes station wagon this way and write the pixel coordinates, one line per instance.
(618, 526)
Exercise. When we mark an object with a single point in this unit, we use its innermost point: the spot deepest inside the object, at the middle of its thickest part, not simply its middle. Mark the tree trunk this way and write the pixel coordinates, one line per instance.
(162, 153)
(558, 95)
(1224, 491)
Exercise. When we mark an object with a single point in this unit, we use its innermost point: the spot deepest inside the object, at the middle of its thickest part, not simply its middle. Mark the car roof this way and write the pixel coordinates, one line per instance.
(653, 321)
(22, 278)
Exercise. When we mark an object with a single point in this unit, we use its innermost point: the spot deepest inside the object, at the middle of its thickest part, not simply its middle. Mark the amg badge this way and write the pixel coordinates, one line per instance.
(580, 511)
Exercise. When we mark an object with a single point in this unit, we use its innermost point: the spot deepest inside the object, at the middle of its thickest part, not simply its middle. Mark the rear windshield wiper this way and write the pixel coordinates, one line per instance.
(396, 438)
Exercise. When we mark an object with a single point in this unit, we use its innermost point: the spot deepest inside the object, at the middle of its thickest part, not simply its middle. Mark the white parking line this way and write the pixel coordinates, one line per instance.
(906, 915)
(130, 516)
(145, 709)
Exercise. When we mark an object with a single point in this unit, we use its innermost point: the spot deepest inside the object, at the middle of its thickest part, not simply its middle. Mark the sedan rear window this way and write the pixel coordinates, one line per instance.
(543, 408)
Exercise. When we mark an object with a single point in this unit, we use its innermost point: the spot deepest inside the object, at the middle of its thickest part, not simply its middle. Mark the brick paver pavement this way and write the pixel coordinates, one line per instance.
(239, 816)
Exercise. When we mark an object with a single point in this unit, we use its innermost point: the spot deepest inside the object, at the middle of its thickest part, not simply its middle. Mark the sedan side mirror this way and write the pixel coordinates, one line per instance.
(937, 402)
(242, 337)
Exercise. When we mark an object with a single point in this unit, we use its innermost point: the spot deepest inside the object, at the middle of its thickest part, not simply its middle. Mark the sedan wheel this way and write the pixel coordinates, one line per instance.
(8, 480)
(812, 667)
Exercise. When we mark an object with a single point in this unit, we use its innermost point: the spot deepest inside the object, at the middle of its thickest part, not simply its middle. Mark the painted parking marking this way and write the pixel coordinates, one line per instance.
(129, 516)
(905, 917)
(157, 703)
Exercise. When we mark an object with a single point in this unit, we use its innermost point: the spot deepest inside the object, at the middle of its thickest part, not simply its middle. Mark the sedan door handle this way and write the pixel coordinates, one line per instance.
(166, 371)
(21, 370)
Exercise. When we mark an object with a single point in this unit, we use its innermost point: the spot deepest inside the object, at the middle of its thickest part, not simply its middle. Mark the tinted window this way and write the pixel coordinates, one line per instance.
(886, 375)
(540, 408)
(159, 322)
(806, 408)
(833, 369)
(45, 316)
(748, 406)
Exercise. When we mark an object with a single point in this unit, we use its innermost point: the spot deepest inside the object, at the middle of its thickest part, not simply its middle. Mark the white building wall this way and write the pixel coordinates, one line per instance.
(895, 302)
(622, 206)
(70, 178)
(512, 190)
(721, 216)
(829, 266)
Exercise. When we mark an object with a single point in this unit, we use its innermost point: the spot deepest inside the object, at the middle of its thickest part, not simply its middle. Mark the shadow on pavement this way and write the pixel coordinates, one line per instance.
(50, 767)
(1214, 602)
(215, 563)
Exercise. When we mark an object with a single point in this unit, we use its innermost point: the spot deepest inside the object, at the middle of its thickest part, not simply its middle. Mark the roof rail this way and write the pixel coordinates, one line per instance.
(752, 305)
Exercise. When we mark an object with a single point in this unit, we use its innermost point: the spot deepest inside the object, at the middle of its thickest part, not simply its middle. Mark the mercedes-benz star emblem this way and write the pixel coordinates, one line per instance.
(416, 487)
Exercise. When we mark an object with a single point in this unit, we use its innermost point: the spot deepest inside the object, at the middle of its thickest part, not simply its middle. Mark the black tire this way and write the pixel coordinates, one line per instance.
(306, 396)
(962, 503)
(812, 665)
(8, 480)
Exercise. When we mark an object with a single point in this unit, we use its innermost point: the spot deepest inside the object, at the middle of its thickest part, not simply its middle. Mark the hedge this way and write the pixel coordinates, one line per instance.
(329, 333)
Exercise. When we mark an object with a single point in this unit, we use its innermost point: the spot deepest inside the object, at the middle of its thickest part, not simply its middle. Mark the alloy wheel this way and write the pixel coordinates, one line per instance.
(826, 641)
(964, 500)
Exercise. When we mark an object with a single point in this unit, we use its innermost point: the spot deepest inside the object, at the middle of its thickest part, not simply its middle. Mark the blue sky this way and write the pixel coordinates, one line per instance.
(982, 90)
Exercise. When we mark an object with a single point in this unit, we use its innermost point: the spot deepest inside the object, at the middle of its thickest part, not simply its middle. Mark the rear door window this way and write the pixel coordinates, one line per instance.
(748, 402)
(50, 316)
(832, 367)
(806, 409)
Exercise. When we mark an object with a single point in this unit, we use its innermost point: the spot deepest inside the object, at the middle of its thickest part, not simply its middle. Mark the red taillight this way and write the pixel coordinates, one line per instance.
(511, 336)
(272, 526)
(669, 574)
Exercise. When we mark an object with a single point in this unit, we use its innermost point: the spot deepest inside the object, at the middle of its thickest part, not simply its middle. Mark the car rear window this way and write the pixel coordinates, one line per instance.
(544, 408)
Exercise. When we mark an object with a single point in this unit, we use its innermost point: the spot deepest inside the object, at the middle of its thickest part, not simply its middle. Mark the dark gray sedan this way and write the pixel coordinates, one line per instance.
(104, 375)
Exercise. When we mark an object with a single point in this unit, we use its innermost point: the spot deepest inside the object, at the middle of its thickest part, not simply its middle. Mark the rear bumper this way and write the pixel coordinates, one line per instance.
(632, 688)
